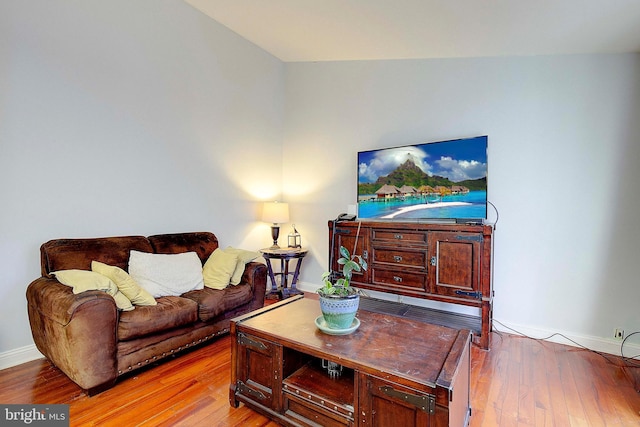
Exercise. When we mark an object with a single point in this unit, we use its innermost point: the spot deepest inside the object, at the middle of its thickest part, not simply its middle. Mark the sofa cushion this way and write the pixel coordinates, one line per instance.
(166, 274)
(66, 254)
(213, 302)
(170, 312)
(202, 243)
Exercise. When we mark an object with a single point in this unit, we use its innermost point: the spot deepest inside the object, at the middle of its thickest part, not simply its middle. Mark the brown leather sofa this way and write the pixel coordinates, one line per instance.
(94, 343)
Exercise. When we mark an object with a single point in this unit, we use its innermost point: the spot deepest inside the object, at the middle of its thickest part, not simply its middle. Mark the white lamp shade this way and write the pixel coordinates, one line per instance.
(275, 212)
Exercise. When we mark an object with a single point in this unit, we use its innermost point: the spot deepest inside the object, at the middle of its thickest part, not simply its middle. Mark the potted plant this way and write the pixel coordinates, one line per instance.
(338, 300)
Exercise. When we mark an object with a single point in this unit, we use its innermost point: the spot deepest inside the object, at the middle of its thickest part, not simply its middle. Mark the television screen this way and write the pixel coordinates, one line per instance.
(445, 180)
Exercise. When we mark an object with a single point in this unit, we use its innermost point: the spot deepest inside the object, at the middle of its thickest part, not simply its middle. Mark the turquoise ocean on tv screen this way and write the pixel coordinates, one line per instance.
(470, 205)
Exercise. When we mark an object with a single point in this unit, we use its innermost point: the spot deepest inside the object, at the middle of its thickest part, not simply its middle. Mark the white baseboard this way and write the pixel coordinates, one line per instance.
(18, 356)
(599, 344)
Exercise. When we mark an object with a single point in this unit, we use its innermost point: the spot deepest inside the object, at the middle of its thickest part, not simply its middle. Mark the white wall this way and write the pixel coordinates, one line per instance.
(128, 117)
(563, 153)
(148, 117)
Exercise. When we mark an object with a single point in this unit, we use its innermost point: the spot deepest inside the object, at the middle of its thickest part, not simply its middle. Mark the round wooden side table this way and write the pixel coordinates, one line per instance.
(284, 255)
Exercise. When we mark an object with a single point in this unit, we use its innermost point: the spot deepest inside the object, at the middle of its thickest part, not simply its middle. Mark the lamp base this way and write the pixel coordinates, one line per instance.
(275, 233)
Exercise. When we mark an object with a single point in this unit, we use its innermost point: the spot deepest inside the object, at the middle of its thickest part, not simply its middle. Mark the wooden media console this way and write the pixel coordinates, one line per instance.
(449, 263)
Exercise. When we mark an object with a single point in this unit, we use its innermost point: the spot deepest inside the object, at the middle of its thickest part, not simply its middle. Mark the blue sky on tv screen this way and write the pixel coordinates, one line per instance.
(458, 160)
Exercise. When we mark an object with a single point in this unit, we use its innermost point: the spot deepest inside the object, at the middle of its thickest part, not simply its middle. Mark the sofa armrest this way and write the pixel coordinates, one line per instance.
(255, 273)
(77, 333)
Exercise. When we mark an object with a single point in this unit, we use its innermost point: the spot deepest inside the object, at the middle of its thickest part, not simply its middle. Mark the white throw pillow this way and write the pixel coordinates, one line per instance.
(166, 274)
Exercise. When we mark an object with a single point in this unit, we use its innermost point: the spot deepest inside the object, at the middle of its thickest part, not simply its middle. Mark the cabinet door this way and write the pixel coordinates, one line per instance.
(454, 264)
(345, 235)
(383, 403)
(259, 372)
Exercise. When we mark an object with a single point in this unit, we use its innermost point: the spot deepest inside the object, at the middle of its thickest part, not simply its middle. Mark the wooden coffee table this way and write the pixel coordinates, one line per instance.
(390, 371)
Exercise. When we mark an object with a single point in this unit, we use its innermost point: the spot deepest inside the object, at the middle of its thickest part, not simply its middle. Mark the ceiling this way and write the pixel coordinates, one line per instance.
(338, 30)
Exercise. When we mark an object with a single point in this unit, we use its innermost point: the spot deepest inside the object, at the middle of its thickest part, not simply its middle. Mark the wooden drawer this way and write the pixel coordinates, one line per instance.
(400, 279)
(405, 258)
(400, 236)
(308, 414)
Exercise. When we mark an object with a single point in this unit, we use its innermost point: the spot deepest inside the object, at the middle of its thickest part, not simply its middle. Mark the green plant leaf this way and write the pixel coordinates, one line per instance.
(349, 264)
(354, 266)
(344, 252)
(346, 271)
(361, 261)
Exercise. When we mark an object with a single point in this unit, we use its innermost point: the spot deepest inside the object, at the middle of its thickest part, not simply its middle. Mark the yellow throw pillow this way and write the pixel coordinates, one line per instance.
(125, 283)
(243, 258)
(84, 280)
(218, 269)
(122, 302)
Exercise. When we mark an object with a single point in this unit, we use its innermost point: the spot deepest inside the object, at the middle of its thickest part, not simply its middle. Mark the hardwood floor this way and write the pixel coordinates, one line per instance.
(519, 382)
(524, 382)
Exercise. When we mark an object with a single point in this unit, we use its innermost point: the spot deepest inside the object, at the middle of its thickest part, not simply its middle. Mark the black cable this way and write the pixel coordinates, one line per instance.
(603, 355)
(495, 224)
(629, 359)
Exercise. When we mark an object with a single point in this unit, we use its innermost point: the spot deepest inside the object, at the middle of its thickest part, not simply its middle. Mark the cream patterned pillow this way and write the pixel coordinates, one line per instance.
(84, 280)
(166, 274)
(125, 283)
(218, 269)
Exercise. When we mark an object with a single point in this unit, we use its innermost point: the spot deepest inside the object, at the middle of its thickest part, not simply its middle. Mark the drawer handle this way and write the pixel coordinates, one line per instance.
(242, 388)
(434, 261)
(397, 258)
(397, 279)
(398, 236)
(249, 342)
(425, 403)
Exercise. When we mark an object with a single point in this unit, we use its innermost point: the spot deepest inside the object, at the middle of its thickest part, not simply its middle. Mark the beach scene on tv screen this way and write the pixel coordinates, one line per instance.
(436, 180)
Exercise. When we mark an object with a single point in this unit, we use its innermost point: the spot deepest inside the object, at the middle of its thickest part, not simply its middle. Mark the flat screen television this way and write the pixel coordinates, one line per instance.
(439, 181)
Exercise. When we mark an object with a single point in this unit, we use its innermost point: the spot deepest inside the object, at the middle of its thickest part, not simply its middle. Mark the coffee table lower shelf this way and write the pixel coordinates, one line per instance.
(310, 394)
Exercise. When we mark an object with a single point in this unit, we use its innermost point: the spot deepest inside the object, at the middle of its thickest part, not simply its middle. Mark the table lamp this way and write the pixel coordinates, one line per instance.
(275, 213)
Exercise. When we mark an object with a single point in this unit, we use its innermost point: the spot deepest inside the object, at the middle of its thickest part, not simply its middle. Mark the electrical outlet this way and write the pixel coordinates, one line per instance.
(618, 333)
